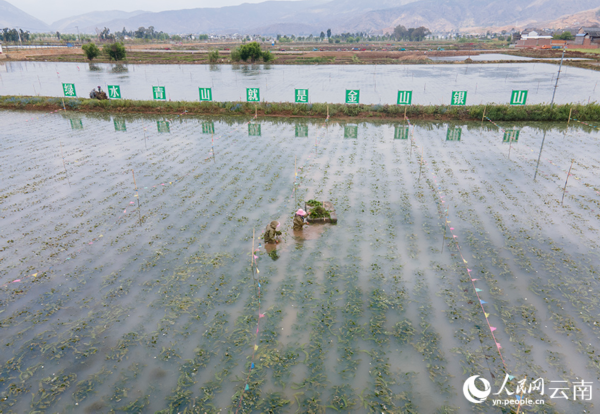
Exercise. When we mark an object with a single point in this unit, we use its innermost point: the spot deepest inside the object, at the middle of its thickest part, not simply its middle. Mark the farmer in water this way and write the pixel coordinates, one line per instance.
(271, 232)
(299, 221)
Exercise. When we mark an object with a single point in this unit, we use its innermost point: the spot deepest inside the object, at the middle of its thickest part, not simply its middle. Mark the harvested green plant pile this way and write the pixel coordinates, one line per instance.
(319, 212)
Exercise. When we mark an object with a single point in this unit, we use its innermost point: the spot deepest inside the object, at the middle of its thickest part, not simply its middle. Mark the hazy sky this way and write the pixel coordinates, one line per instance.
(51, 11)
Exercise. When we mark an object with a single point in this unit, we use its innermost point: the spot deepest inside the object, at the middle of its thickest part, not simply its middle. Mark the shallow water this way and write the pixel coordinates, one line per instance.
(496, 56)
(107, 304)
(431, 84)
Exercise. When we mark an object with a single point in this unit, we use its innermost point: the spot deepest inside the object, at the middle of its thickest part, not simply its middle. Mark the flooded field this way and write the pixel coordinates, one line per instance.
(138, 291)
(431, 84)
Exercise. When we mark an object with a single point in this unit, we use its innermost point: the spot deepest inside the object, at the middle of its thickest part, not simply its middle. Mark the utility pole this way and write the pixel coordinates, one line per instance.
(78, 37)
(558, 76)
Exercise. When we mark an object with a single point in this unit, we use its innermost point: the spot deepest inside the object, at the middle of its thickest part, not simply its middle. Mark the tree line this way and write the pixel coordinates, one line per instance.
(414, 34)
(14, 35)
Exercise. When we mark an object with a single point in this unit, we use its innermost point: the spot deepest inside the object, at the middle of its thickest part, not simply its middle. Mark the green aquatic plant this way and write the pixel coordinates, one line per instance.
(319, 212)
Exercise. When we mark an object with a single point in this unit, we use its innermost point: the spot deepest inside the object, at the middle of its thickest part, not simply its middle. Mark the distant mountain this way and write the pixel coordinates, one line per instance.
(232, 19)
(450, 15)
(588, 18)
(88, 22)
(13, 18)
(314, 16)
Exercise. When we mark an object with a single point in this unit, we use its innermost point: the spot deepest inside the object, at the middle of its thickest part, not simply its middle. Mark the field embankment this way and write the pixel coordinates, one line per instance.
(589, 112)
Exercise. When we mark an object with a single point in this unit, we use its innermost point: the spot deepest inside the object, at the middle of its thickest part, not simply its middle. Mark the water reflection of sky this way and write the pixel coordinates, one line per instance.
(378, 84)
(148, 302)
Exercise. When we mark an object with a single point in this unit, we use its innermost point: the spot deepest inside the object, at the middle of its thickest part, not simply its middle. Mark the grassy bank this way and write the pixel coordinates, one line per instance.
(590, 112)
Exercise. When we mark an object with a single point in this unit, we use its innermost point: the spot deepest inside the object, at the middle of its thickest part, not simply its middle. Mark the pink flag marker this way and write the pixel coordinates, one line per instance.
(492, 328)
(261, 315)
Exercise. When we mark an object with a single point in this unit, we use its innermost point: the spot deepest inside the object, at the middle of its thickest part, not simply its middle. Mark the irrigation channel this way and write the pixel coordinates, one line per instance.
(431, 84)
(129, 283)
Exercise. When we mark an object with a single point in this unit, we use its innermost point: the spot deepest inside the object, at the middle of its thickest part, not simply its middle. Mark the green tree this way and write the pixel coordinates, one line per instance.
(328, 33)
(400, 32)
(322, 36)
(114, 51)
(90, 50)
(563, 36)
(250, 51)
(236, 55)
(268, 56)
(213, 56)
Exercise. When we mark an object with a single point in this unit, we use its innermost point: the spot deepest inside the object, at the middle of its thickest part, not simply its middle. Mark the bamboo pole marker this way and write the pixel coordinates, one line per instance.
(566, 181)
(64, 166)
(138, 197)
(539, 156)
(568, 122)
(421, 164)
(520, 398)
(483, 117)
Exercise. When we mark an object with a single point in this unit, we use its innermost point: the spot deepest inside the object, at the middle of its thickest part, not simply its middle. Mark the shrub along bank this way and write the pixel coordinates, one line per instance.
(587, 113)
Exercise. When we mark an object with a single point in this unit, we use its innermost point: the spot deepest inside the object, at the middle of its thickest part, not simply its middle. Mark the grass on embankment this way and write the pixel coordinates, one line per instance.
(590, 112)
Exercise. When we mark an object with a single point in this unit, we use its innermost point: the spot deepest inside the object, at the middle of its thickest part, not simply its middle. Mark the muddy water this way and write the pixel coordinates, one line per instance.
(431, 84)
(139, 296)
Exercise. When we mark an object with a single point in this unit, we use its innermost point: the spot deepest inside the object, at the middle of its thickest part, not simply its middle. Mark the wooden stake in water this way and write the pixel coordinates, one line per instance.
(566, 181)
(568, 122)
(557, 77)
(64, 166)
(137, 196)
(539, 156)
(483, 117)
(252, 255)
(212, 139)
(421, 164)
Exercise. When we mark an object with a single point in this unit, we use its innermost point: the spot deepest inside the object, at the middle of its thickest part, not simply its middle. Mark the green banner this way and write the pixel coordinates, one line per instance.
(69, 89)
(459, 98)
(401, 132)
(205, 94)
(208, 127)
(301, 95)
(163, 127)
(518, 97)
(76, 123)
(301, 131)
(351, 131)
(453, 134)
(404, 97)
(511, 135)
(114, 91)
(253, 94)
(159, 93)
(352, 96)
(120, 125)
(254, 130)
